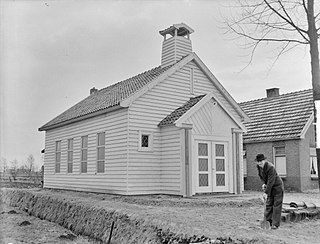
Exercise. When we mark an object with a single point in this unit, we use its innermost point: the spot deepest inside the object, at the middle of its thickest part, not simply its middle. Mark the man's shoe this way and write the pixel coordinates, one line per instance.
(274, 227)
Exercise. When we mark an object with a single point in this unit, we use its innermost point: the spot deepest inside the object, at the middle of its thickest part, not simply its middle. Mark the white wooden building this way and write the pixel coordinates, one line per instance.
(173, 129)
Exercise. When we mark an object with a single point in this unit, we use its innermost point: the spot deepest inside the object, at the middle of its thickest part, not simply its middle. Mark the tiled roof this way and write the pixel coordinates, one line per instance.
(107, 97)
(278, 118)
(176, 114)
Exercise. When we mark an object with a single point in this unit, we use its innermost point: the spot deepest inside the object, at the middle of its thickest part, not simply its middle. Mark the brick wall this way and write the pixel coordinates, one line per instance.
(297, 158)
(291, 182)
(305, 144)
(253, 181)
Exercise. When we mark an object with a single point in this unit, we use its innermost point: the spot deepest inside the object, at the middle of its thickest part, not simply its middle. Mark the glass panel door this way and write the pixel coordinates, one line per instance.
(204, 166)
(220, 182)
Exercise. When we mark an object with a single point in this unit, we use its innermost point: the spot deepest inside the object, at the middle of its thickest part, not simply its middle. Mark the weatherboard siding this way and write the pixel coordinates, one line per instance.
(175, 48)
(115, 126)
(171, 160)
(202, 85)
(144, 115)
(211, 119)
(212, 123)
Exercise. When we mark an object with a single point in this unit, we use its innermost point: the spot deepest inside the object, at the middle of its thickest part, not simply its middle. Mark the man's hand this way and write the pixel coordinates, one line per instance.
(264, 187)
(265, 196)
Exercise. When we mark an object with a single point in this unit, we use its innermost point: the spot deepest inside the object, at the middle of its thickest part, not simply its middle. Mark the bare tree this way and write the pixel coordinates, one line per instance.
(4, 164)
(287, 23)
(30, 165)
(14, 169)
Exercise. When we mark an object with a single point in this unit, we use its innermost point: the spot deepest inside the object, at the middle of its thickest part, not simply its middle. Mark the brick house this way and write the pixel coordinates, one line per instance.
(282, 128)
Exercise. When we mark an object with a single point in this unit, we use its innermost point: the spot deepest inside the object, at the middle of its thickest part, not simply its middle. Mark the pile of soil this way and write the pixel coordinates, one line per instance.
(159, 219)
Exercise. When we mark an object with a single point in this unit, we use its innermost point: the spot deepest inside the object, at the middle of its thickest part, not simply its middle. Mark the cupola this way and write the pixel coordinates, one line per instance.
(177, 45)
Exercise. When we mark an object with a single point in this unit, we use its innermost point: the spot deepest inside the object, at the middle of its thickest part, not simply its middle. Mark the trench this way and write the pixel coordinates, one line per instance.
(92, 221)
(95, 221)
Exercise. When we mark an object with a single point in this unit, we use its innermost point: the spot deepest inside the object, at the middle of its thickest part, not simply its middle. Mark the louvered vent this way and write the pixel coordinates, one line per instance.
(177, 45)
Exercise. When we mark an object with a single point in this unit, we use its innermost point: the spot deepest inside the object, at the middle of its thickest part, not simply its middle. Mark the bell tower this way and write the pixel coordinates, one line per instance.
(177, 45)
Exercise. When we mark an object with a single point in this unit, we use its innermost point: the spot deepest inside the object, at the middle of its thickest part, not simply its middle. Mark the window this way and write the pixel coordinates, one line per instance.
(280, 160)
(145, 141)
(101, 142)
(244, 155)
(70, 155)
(84, 153)
(58, 156)
(313, 163)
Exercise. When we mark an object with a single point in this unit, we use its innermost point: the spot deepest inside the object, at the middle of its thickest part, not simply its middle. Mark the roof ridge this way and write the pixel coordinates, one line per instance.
(106, 97)
(276, 97)
(178, 112)
(282, 117)
(132, 77)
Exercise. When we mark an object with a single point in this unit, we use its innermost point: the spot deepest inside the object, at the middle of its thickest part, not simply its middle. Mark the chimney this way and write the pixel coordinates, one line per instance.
(177, 45)
(93, 90)
(272, 92)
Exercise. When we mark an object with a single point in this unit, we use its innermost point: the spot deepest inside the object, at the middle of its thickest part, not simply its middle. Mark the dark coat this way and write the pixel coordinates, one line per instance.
(270, 177)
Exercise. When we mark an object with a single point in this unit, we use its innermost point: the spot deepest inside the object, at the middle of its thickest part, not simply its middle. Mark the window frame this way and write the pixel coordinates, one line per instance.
(84, 149)
(150, 141)
(57, 167)
(70, 151)
(102, 146)
(313, 158)
(244, 161)
(281, 155)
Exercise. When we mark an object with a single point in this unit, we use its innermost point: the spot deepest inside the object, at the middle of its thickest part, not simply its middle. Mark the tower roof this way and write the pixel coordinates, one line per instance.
(182, 30)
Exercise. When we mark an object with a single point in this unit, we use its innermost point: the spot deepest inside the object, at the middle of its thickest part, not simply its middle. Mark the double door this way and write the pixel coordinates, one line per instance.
(211, 166)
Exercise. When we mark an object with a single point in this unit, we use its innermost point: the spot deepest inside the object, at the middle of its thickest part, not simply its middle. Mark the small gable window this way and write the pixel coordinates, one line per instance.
(145, 141)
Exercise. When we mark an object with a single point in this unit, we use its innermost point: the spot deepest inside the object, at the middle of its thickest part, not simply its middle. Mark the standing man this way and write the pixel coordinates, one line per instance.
(273, 190)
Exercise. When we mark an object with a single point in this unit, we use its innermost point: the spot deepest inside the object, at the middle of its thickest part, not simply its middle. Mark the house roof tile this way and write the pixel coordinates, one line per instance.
(107, 97)
(278, 118)
(176, 114)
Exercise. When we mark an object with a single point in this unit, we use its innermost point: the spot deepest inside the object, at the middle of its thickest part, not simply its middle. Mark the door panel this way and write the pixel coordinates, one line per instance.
(211, 166)
(220, 182)
(204, 182)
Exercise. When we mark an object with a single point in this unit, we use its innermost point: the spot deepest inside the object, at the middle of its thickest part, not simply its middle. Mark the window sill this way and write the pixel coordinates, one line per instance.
(314, 177)
(141, 149)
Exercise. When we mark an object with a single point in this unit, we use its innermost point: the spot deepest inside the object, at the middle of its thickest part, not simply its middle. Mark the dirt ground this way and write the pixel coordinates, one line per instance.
(227, 216)
(18, 227)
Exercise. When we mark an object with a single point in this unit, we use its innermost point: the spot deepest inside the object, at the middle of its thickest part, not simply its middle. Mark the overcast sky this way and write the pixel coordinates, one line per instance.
(53, 52)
